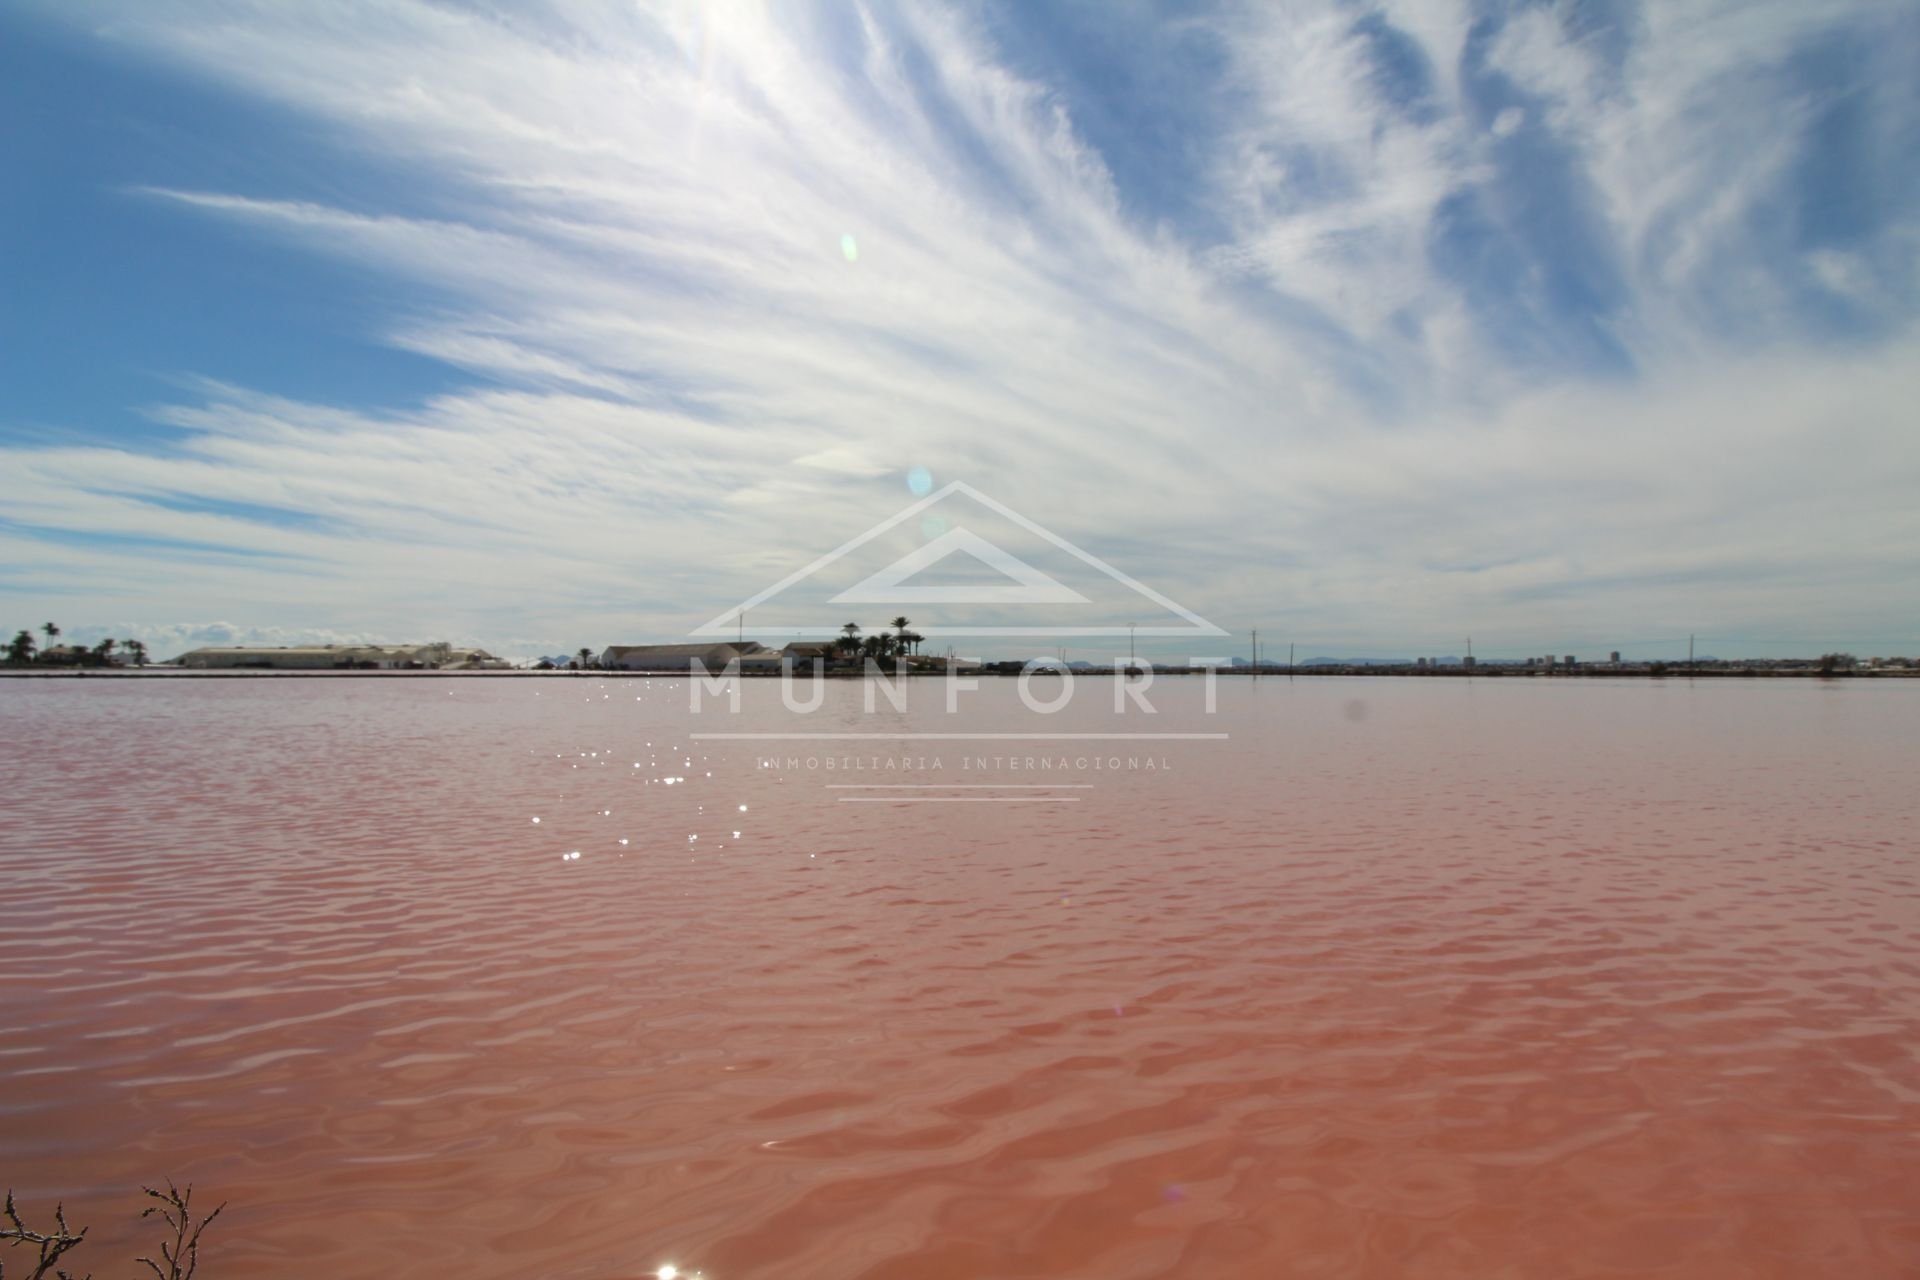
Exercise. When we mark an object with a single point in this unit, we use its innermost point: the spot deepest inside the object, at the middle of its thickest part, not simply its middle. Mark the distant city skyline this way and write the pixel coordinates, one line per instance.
(1572, 329)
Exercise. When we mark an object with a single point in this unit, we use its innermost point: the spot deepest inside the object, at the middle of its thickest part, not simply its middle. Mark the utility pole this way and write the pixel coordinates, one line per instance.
(1289, 660)
(1256, 651)
(740, 635)
(1130, 646)
(1689, 655)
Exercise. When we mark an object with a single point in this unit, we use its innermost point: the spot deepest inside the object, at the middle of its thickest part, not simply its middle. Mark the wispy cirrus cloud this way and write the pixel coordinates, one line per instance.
(1530, 321)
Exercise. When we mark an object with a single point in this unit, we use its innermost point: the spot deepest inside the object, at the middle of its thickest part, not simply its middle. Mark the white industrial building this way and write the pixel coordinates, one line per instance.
(751, 654)
(674, 657)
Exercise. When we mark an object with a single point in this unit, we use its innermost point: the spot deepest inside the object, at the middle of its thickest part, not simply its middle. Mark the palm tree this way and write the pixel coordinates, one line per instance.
(53, 632)
(586, 658)
(103, 652)
(20, 650)
(913, 639)
(900, 625)
(138, 650)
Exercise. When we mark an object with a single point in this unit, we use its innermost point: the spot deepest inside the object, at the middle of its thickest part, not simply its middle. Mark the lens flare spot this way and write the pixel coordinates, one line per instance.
(849, 248)
(920, 481)
(932, 527)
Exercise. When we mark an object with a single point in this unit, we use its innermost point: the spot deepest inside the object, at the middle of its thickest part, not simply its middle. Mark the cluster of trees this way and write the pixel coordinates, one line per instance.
(23, 650)
(901, 643)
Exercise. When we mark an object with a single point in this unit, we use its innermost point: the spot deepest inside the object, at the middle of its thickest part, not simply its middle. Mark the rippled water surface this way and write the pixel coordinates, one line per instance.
(1434, 978)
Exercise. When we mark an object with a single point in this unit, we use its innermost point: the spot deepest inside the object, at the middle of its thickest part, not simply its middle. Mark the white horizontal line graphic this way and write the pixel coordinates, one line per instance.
(959, 799)
(950, 737)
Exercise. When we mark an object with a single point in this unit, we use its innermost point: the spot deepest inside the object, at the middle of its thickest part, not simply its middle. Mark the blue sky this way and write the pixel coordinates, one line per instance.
(1569, 326)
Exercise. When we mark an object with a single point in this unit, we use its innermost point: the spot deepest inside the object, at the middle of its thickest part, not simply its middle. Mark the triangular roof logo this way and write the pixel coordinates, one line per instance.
(1018, 583)
(1024, 583)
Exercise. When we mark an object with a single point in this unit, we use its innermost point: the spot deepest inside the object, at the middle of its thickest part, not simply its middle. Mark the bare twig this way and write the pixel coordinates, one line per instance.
(50, 1246)
(182, 1253)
